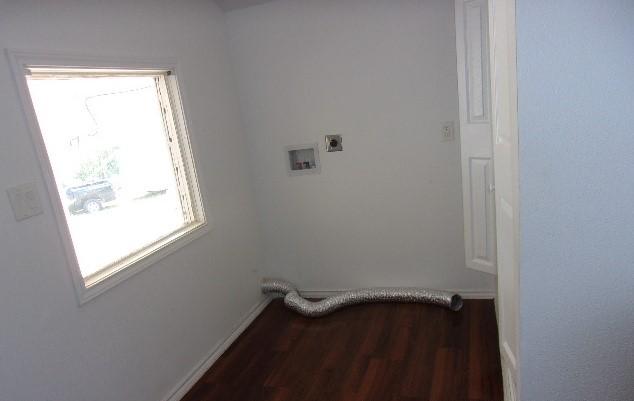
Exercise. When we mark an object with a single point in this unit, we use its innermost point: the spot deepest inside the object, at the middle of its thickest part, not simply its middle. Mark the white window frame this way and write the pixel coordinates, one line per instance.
(96, 284)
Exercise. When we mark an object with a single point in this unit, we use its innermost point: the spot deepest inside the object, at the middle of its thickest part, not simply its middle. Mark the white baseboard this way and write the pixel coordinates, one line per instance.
(466, 294)
(199, 370)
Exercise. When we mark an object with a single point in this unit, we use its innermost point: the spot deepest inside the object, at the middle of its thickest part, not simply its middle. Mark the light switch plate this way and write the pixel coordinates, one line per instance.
(25, 201)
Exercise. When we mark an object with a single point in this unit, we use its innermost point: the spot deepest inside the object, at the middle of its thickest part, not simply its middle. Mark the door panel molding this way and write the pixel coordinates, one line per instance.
(477, 61)
(481, 250)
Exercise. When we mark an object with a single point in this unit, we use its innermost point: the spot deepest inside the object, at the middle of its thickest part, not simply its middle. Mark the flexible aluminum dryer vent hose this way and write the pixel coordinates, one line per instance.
(296, 302)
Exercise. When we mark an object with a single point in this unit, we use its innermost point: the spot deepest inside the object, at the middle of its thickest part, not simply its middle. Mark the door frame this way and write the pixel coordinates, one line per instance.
(505, 139)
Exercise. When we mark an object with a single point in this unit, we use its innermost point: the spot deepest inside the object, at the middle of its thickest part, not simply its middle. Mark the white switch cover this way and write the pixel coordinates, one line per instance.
(25, 201)
(447, 131)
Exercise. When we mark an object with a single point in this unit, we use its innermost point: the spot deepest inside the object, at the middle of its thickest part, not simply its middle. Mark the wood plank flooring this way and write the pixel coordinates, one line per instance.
(381, 352)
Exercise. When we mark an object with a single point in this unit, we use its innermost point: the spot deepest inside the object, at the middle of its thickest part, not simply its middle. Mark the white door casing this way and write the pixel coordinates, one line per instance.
(506, 162)
(472, 45)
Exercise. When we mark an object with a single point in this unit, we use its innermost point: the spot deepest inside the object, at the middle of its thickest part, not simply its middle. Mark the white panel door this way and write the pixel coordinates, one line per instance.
(472, 45)
(505, 156)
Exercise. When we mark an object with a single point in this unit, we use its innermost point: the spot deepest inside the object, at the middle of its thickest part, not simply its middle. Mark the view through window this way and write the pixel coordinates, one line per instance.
(117, 161)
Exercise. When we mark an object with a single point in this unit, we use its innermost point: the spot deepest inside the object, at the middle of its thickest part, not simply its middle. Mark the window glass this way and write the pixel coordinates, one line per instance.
(116, 162)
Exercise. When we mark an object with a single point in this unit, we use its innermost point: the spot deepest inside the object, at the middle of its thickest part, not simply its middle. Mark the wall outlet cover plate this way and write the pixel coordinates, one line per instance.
(448, 132)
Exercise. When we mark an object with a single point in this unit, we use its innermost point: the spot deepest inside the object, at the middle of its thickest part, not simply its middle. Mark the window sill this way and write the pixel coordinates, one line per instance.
(108, 278)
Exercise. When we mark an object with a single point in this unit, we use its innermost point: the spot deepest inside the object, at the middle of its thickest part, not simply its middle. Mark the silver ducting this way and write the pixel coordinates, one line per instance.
(293, 300)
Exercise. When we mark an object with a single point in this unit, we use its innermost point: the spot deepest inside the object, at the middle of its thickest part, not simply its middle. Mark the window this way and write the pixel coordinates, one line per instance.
(121, 170)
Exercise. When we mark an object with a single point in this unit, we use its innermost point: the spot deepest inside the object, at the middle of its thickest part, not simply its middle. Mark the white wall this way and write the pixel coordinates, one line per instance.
(387, 210)
(576, 121)
(136, 341)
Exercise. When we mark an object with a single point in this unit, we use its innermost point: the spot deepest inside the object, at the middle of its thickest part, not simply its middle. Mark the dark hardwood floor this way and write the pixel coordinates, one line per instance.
(381, 352)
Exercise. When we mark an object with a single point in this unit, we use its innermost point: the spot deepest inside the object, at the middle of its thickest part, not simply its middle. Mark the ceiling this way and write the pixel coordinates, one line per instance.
(228, 5)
